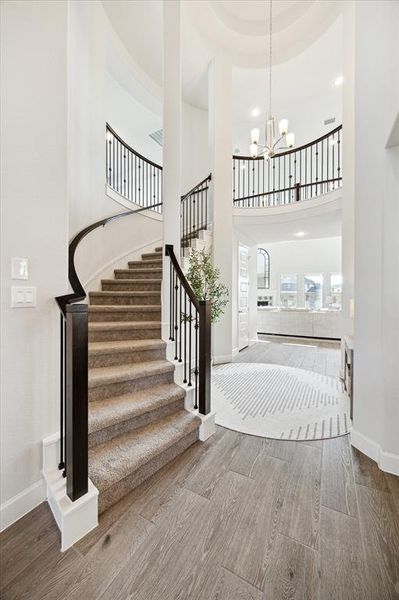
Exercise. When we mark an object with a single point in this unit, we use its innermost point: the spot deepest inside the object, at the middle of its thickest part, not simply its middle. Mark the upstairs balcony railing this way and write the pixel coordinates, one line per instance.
(132, 175)
(195, 212)
(291, 176)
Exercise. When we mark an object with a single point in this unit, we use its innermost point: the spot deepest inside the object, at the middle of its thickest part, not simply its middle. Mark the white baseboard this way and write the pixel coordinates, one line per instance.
(222, 359)
(387, 461)
(18, 506)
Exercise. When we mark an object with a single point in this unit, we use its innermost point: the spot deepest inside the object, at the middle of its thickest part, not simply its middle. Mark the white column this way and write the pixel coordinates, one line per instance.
(172, 111)
(348, 157)
(220, 140)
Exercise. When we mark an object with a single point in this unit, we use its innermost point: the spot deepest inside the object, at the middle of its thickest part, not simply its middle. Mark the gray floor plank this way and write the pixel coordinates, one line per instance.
(203, 480)
(228, 586)
(337, 482)
(37, 534)
(393, 484)
(291, 572)
(367, 472)
(380, 531)
(301, 509)
(257, 523)
(249, 452)
(342, 568)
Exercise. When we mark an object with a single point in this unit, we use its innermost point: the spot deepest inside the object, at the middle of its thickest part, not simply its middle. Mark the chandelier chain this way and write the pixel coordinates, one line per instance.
(270, 55)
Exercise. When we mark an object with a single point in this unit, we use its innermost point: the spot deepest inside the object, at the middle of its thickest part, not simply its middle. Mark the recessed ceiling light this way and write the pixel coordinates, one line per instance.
(255, 112)
(339, 81)
(300, 233)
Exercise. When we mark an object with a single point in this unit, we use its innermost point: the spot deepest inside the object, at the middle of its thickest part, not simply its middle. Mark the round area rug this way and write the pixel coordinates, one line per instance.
(279, 402)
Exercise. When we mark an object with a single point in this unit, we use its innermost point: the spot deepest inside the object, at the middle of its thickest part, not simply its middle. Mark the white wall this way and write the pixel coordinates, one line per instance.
(132, 120)
(376, 192)
(303, 256)
(34, 225)
(195, 147)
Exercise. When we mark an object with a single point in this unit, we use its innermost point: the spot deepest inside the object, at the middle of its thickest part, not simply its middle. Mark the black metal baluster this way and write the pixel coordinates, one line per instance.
(180, 322)
(190, 321)
(185, 337)
(176, 320)
(171, 311)
(196, 360)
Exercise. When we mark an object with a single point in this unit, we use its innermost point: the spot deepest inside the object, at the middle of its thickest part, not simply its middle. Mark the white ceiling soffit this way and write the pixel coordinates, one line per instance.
(237, 29)
(240, 28)
(317, 218)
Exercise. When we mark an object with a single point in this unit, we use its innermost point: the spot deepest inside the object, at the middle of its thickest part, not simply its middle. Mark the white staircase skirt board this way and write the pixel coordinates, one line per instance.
(74, 519)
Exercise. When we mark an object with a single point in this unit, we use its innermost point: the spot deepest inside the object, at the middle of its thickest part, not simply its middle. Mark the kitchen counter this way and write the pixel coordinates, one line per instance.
(299, 322)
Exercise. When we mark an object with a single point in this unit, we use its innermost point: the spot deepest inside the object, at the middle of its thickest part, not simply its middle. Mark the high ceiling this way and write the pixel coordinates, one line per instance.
(307, 54)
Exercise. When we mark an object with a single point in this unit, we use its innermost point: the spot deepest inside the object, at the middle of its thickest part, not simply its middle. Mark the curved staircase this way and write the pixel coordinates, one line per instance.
(137, 420)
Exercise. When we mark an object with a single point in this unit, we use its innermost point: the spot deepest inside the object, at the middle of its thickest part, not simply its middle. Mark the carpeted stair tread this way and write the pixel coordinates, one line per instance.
(118, 325)
(122, 293)
(99, 376)
(115, 346)
(154, 263)
(149, 270)
(112, 461)
(119, 281)
(108, 412)
(107, 308)
(152, 256)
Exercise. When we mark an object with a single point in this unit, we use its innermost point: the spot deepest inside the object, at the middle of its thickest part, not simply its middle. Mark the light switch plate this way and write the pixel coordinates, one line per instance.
(19, 268)
(23, 296)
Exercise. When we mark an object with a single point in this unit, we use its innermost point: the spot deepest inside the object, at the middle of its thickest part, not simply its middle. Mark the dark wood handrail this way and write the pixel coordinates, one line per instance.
(188, 289)
(79, 292)
(293, 150)
(109, 128)
(195, 188)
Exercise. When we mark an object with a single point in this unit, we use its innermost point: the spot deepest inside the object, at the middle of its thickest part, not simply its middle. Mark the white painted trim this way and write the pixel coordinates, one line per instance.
(117, 197)
(386, 461)
(253, 341)
(223, 358)
(18, 506)
(74, 519)
(235, 352)
(119, 258)
(207, 427)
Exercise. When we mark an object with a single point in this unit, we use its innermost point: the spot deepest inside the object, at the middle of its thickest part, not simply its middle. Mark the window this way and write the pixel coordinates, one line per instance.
(263, 269)
(314, 291)
(288, 290)
(335, 299)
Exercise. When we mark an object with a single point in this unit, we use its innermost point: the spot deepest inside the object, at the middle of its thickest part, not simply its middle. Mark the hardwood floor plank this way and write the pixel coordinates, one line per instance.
(216, 462)
(367, 472)
(393, 484)
(291, 571)
(379, 522)
(163, 568)
(228, 586)
(249, 451)
(32, 538)
(105, 560)
(300, 518)
(256, 524)
(337, 480)
(49, 572)
(341, 557)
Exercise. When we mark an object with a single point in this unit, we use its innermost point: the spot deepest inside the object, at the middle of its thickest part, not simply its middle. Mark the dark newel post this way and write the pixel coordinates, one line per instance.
(77, 400)
(297, 192)
(204, 404)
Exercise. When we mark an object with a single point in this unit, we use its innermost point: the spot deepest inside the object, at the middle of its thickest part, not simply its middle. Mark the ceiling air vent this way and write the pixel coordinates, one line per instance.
(157, 136)
(329, 121)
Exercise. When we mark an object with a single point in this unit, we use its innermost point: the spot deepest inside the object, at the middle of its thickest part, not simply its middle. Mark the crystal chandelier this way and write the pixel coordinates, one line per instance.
(272, 144)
